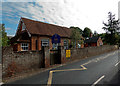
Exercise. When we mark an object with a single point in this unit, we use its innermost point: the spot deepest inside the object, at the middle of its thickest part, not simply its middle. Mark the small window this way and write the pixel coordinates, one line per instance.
(36, 44)
(65, 44)
(45, 42)
(55, 46)
(23, 26)
(24, 46)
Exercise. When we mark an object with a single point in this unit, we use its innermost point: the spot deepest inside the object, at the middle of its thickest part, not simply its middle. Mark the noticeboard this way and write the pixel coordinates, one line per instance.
(68, 53)
(55, 38)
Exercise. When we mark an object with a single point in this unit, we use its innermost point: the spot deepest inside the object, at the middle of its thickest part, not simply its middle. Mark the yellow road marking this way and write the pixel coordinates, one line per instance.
(83, 67)
(50, 78)
(67, 70)
(51, 73)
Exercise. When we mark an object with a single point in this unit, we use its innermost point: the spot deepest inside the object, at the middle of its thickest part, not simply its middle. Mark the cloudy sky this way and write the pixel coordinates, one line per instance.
(79, 13)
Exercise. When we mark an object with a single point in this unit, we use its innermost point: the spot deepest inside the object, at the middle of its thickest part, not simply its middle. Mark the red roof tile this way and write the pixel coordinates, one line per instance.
(40, 28)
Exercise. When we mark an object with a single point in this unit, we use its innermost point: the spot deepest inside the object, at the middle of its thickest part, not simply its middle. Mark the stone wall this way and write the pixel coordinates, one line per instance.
(15, 62)
(87, 52)
(20, 61)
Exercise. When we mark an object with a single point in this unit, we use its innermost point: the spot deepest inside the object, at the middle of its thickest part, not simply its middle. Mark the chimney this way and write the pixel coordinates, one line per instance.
(91, 35)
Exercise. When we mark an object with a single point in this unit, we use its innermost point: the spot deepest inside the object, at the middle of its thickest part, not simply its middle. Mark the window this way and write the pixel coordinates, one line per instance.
(24, 46)
(36, 44)
(45, 42)
(65, 44)
(55, 46)
(23, 26)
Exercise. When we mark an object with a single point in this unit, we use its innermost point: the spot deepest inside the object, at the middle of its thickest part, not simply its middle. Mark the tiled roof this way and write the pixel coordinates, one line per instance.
(93, 39)
(40, 28)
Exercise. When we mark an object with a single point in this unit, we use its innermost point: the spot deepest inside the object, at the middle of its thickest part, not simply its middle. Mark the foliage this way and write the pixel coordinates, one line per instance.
(76, 35)
(4, 36)
(86, 32)
(111, 28)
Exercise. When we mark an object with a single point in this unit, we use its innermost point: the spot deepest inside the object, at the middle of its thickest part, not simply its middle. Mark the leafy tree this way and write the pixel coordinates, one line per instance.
(4, 35)
(111, 29)
(86, 32)
(78, 29)
(76, 35)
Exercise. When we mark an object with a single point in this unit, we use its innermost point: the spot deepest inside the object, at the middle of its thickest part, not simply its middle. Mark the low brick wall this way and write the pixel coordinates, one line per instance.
(20, 61)
(15, 62)
(87, 52)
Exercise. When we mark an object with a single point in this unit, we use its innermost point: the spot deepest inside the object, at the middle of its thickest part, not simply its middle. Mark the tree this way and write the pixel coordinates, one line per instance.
(76, 35)
(86, 32)
(77, 29)
(4, 35)
(111, 28)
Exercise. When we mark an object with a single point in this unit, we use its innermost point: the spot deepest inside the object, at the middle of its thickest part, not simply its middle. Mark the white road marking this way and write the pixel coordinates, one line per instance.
(117, 63)
(98, 80)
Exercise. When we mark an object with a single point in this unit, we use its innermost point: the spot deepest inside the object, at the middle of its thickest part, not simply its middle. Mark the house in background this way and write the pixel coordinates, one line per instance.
(93, 41)
(32, 35)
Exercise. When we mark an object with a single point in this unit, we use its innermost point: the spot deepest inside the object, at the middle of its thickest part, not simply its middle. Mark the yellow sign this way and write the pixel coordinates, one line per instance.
(68, 53)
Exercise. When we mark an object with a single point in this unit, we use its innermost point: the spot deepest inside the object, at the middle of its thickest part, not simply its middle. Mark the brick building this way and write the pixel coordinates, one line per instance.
(93, 41)
(31, 35)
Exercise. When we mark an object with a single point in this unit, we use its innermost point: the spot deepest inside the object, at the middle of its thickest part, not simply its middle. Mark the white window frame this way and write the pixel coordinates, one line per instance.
(24, 46)
(65, 44)
(55, 46)
(46, 41)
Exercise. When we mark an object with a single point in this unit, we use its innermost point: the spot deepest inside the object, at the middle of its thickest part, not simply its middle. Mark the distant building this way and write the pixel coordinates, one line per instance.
(93, 41)
(32, 35)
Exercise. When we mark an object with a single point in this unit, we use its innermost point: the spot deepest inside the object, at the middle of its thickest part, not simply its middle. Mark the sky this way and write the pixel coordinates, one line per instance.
(78, 13)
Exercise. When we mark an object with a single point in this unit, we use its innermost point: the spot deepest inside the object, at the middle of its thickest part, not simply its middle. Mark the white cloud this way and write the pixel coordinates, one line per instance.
(81, 13)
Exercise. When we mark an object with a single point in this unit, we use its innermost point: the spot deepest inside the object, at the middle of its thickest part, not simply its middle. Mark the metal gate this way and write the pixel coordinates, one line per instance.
(42, 58)
(55, 56)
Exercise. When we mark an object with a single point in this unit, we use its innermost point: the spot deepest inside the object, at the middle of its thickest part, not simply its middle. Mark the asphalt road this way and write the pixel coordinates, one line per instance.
(101, 69)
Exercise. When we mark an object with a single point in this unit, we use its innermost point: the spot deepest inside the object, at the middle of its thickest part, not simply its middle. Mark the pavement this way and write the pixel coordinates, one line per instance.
(96, 70)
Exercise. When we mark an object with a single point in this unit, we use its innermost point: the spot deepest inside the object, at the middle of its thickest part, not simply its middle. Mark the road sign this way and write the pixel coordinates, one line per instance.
(68, 53)
(56, 38)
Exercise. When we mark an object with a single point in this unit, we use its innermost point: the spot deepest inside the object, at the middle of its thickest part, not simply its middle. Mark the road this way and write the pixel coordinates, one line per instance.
(95, 70)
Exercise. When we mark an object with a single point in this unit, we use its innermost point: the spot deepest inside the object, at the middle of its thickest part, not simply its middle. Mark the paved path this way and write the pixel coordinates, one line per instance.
(99, 69)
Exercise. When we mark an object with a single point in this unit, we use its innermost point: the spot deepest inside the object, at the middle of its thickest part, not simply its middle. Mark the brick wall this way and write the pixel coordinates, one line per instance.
(87, 52)
(20, 60)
